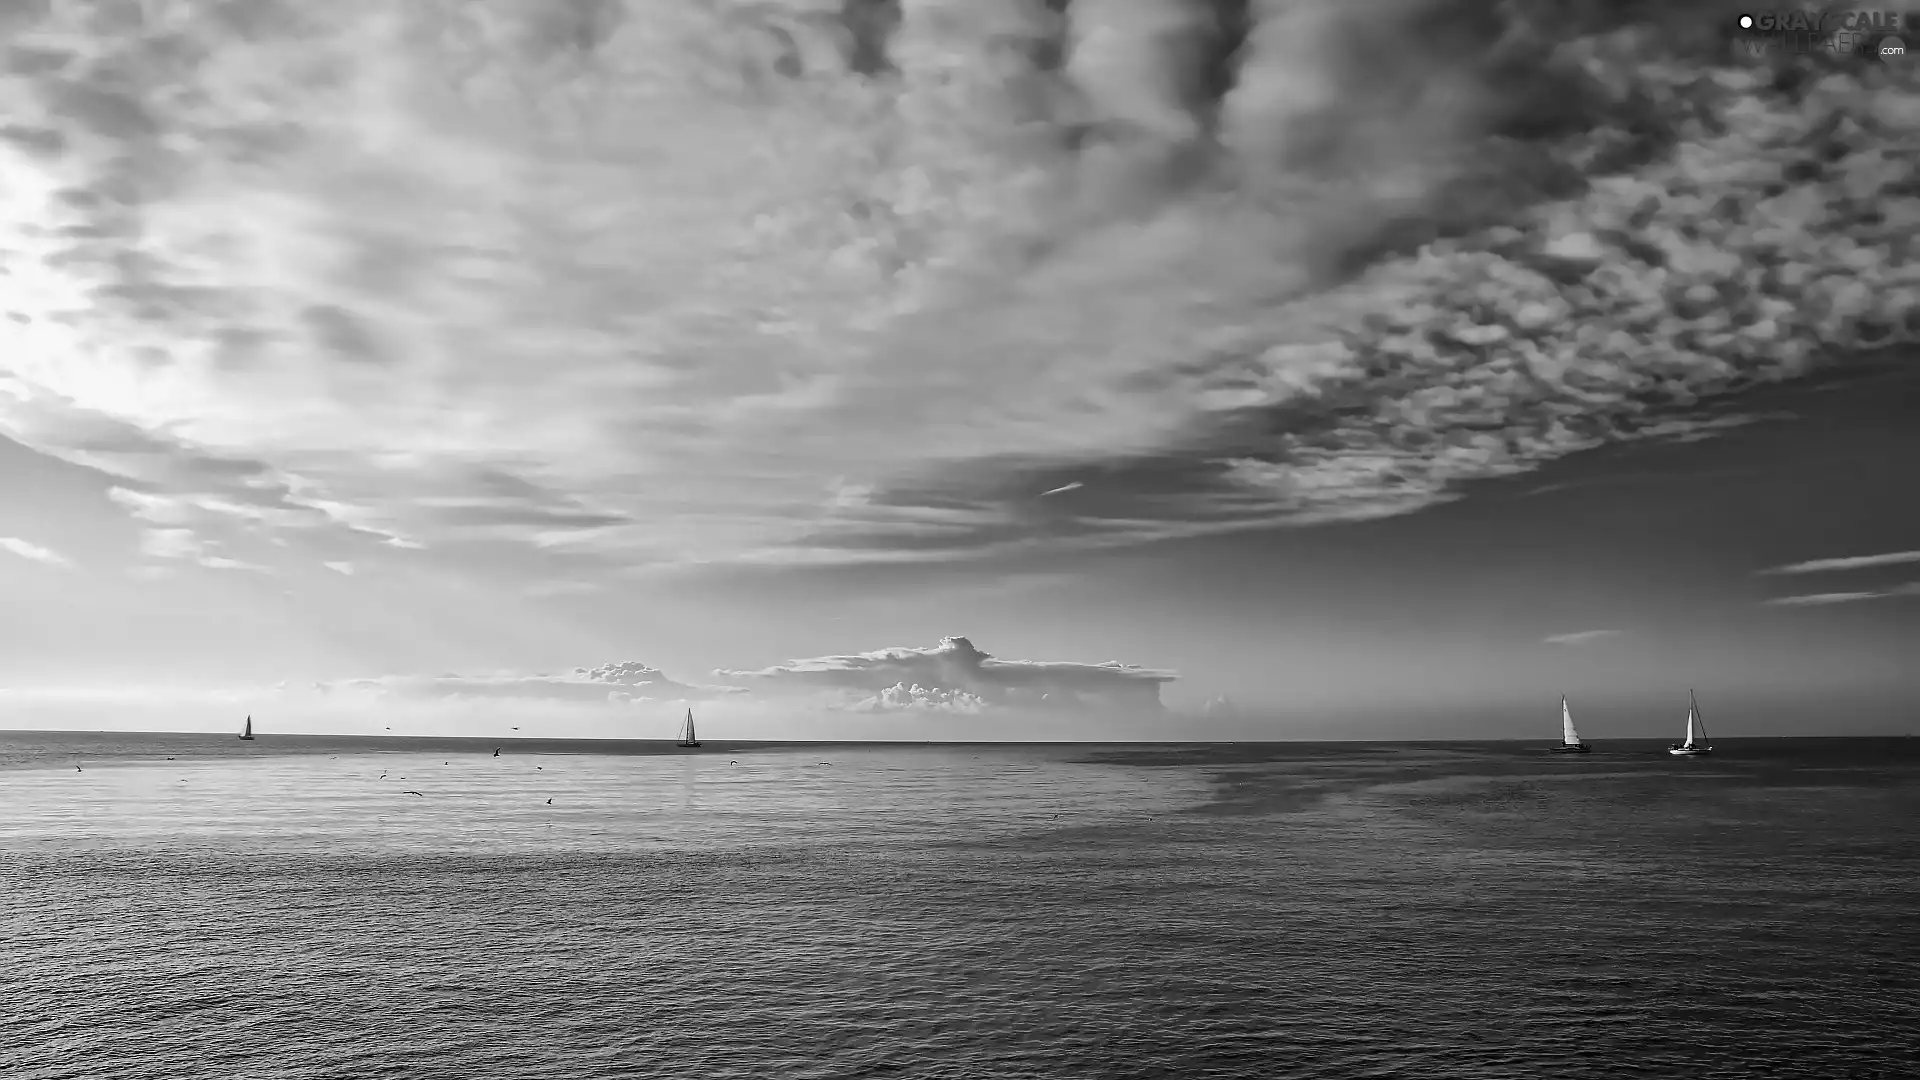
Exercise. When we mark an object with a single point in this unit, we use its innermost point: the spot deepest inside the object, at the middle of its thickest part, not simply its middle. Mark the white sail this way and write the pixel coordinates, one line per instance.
(686, 735)
(1570, 736)
(1696, 728)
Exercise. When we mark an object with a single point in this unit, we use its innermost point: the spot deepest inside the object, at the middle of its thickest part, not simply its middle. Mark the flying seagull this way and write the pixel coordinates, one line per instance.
(1063, 487)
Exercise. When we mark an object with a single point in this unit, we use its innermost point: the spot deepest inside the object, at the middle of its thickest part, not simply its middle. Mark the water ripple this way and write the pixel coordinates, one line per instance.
(950, 912)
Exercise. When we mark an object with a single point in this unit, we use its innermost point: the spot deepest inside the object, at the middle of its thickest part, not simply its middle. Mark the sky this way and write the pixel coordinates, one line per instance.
(947, 370)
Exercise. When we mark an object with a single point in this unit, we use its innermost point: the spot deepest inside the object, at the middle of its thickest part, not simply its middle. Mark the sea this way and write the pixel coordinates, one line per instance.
(297, 908)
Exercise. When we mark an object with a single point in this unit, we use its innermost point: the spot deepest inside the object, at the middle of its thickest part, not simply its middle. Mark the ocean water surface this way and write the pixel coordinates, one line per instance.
(287, 909)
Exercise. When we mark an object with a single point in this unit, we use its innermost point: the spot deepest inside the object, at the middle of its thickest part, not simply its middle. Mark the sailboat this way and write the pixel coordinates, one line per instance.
(1696, 733)
(247, 731)
(1569, 739)
(687, 737)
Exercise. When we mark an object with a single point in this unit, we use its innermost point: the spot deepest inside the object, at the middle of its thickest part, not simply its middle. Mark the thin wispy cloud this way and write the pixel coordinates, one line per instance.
(1075, 486)
(1854, 562)
(1822, 599)
(31, 551)
(561, 588)
(1580, 637)
(629, 284)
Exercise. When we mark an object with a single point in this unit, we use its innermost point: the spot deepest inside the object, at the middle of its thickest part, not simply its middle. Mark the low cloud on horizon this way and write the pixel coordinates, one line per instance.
(609, 683)
(952, 678)
(931, 677)
(945, 690)
(617, 286)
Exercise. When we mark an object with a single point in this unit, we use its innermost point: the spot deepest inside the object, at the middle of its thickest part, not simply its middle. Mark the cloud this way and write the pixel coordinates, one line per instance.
(1821, 599)
(1579, 637)
(1855, 562)
(26, 549)
(1218, 706)
(902, 697)
(346, 568)
(950, 690)
(183, 545)
(561, 588)
(957, 667)
(808, 282)
(620, 683)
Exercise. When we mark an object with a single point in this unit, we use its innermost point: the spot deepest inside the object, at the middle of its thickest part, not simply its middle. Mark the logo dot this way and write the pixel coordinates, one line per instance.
(1746, 22)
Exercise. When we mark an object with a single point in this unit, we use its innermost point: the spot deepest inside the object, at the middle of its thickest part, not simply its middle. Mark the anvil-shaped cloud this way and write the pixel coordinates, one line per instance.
(630, 283)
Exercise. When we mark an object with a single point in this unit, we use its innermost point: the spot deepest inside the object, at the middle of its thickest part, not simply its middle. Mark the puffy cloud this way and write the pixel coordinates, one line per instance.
(1579, 637)
(1854, 562)
(27, 549)
(807, 281)
(1220, 705)
(957, 667)
(900, 697)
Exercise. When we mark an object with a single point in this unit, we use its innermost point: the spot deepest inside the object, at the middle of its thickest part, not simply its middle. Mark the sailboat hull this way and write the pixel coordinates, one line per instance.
(1689, 751)
(1580, 748)
(246, 738)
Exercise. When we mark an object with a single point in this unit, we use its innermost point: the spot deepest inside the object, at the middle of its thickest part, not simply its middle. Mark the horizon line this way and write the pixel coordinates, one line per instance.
(670, 743)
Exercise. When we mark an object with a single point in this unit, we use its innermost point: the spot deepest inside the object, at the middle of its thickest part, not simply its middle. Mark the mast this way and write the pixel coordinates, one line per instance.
(1568, 735)
(1694, 723)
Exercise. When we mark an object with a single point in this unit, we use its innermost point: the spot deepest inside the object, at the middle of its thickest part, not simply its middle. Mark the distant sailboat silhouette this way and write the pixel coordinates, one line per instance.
(1696, 732)
(247, 731)
(1569, 739)
(687, 737)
